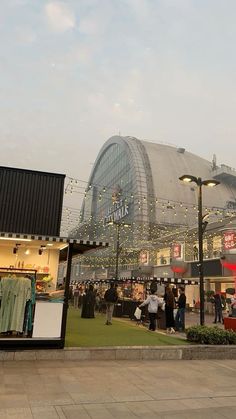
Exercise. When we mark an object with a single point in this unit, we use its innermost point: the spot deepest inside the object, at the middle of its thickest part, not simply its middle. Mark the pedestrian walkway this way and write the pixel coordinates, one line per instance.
(193, 318)
(118, 389)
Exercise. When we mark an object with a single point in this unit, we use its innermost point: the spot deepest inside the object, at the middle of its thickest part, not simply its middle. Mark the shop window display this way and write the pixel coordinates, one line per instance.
(163, 256)
(31, 304)
(17, 293)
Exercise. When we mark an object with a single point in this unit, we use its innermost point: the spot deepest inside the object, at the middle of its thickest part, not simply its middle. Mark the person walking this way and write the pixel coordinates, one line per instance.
(110, 298)
(181, 307)
(218, 309)
(169, 310)
(76, 296)
(152, 301)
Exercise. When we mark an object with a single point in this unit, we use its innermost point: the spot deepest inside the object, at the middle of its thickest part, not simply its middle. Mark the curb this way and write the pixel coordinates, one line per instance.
(176, 353)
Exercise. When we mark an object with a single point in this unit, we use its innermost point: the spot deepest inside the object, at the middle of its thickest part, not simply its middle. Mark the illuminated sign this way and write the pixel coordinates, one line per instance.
(176, 251)
(119, 210)
(229, 240)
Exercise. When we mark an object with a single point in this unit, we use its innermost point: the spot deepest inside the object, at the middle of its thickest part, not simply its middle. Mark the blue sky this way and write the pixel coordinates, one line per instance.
(74, 73)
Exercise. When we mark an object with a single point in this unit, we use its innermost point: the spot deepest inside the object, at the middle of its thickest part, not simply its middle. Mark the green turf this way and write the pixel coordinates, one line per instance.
(94, 333)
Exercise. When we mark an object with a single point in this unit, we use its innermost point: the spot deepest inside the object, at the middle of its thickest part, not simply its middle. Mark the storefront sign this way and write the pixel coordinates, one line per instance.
(144, 257)
(119, 210)
(229, 240)
(176, 251)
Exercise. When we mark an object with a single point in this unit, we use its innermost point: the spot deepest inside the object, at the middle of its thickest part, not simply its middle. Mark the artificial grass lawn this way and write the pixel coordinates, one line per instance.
(94, 332)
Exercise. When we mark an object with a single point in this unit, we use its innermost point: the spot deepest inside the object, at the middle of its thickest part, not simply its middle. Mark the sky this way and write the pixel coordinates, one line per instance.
(75, 72)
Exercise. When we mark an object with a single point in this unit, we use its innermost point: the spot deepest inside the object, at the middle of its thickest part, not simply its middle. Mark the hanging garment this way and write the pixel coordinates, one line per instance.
(14, 293)
(22, 295)
(7, 295)
(28, 320)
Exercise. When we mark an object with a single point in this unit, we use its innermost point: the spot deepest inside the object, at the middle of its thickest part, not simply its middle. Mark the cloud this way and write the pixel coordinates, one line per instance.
(59, 17)
(25, 36)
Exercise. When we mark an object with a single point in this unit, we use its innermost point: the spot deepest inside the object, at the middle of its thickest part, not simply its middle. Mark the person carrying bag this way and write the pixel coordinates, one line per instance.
(152, 302)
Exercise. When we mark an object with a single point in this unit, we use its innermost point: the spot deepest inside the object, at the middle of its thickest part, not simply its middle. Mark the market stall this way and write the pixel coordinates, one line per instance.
(33, 304)
(133, 291)
(33, 307)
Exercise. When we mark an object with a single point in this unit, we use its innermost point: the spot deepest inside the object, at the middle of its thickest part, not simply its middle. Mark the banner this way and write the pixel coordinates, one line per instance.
(229, 240)
(144, 257)
(176, 251)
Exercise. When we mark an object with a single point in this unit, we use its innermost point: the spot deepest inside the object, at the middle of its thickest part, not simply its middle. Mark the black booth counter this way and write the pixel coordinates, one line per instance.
(125, 308)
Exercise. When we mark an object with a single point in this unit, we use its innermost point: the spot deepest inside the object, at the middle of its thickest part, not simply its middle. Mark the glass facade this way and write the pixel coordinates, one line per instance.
(111, 183)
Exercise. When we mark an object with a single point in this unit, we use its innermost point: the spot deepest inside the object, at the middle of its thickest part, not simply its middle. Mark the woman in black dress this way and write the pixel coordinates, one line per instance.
(88, 304)
(169, 310)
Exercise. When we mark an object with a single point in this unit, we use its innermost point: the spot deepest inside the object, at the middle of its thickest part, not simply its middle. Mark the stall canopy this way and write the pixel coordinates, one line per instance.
(80, 245)
(178, 281)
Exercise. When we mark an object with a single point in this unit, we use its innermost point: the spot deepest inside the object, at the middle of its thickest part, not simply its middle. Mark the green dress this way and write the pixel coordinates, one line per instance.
(14, 293)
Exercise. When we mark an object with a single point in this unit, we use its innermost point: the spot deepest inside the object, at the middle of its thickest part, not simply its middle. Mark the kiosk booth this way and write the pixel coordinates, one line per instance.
(33, 308)
(34, 304)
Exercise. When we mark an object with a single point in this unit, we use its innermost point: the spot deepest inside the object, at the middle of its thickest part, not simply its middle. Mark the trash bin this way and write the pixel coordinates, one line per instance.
(161, 319)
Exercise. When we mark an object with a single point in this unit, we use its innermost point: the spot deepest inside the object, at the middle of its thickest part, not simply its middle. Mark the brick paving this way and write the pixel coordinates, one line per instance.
(118, 389)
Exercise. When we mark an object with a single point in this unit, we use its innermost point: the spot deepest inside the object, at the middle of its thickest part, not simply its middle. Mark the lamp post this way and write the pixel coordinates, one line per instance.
(118, 225)
(201, 228)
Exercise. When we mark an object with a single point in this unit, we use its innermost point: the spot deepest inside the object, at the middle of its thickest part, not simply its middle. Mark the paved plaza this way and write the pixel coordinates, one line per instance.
(118, 389)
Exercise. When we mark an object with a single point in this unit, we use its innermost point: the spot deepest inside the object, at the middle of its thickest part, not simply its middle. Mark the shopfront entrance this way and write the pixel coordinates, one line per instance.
(34, 302)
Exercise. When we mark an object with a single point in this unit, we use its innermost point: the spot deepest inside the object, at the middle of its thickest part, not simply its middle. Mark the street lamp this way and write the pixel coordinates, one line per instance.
(201, 228)
(118, 225)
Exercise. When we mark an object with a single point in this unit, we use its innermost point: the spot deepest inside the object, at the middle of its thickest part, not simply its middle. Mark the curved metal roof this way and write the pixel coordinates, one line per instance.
(156, 169)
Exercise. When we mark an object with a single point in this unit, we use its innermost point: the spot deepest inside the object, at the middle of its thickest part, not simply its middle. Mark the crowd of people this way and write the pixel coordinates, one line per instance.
(173, 320)
(90, 300)
(173, 306)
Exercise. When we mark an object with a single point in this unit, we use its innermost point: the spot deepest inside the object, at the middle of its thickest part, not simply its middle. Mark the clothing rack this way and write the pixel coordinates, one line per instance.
(27, 272)
(17, 270)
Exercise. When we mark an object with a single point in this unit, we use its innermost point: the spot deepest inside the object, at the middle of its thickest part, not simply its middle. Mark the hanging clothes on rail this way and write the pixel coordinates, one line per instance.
(29, 310)
(14, 293)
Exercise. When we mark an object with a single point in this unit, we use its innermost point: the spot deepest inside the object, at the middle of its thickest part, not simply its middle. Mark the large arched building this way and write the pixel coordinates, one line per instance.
(135, 183)
(138, 182)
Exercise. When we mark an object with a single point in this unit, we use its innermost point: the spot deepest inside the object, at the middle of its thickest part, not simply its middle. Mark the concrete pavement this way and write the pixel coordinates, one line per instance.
(118, 389)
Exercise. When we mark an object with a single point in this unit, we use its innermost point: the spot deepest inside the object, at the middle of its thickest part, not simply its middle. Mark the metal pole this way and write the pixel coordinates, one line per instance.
(200, 253)
(117, 251)
(66, 295)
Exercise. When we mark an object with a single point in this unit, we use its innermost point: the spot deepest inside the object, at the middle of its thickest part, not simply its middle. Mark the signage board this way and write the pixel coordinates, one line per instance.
(229, 240)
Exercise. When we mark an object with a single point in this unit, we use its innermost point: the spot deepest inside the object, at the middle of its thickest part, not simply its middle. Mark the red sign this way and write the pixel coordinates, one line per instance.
(230, 240)
(176, 250)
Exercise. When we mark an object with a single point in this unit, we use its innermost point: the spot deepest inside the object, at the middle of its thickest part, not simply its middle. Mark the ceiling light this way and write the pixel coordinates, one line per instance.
(15, 238)
(16, 248)
(63, 247)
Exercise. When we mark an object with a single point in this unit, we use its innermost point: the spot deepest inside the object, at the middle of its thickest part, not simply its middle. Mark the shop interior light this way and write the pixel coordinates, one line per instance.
(49, 244)
(16, 248)
(42, 248)
(27, 252)
(14, 239)
(63, 247)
